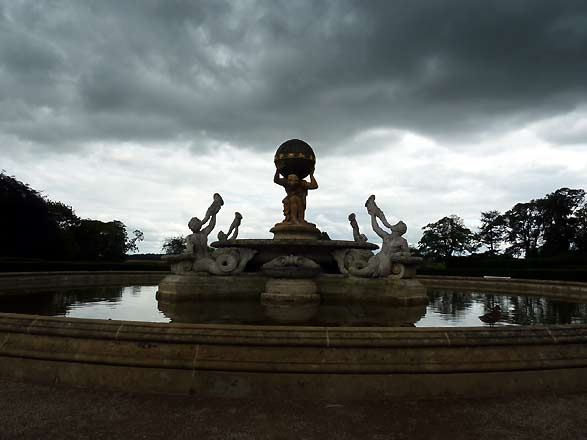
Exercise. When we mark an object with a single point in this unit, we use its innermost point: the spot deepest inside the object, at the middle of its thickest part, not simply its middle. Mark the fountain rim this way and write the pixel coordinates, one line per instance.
(254, 243)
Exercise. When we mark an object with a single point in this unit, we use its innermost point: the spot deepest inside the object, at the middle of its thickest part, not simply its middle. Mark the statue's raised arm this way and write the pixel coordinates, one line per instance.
(376, 228)
(279, 180)
(312, 184)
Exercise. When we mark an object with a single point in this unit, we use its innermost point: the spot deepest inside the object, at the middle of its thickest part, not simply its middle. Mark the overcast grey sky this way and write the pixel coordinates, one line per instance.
(140, 111)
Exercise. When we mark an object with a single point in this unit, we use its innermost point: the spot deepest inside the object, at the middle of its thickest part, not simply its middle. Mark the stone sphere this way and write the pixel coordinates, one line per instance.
(295, 157)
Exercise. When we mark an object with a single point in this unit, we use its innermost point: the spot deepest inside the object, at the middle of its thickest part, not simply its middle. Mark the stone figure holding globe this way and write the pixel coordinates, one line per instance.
(294, 203)
(294, 161)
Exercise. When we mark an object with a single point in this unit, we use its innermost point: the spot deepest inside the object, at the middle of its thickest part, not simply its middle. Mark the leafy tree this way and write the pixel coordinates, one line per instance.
(525, 225)
(131, 243)
(558, 211)
(62, 214)
(33, 226)
(174, 245)
(580, 239)
(27, 228)
(447, 237)
(101, 241)
(493, 231)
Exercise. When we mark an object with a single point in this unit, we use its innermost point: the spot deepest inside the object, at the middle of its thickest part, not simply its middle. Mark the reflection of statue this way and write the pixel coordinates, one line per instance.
(233, 227)
(357, 236)
(294, 203)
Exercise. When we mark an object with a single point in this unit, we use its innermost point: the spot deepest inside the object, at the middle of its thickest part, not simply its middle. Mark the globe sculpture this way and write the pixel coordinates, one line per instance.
(295, 157)
(295, 160)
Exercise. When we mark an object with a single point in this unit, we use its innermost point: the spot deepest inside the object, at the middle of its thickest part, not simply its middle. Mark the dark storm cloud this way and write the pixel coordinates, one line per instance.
(254, 73)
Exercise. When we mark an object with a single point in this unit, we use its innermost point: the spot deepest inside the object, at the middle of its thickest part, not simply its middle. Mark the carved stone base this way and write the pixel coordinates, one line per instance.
(389, 291)
(334, 289)
(204, 287)
(290, 291)
(307, 231)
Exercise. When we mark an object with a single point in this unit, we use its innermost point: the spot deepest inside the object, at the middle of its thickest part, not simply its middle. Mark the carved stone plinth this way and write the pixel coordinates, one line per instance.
(336, 289)
(305, 231)
(290, 291)
(292, 281)
(196, 287)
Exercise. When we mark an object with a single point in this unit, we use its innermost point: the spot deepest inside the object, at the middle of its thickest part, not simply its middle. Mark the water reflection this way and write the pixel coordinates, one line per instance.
(446, 308)
(250, 312)
(449, 307)
(132, 303)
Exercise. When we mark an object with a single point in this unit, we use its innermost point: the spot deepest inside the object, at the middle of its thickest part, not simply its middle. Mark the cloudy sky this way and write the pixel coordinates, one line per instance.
(141, 110)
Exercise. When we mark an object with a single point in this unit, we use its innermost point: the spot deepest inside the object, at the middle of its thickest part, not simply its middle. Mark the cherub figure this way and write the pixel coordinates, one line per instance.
(294, 203)
(197, 241)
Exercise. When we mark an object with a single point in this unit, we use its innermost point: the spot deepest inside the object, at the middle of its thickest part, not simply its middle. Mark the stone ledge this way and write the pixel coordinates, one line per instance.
(22, 283)
(314, 362)
(572, 291)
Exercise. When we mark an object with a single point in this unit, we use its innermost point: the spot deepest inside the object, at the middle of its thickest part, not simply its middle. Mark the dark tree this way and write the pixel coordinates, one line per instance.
(580, 239)
(525, 225)
(447, 237)
(493, 231)
(27, 228)
(558, 211)
(101, 241)
(174, 245)
(132, 243)
(63, 215)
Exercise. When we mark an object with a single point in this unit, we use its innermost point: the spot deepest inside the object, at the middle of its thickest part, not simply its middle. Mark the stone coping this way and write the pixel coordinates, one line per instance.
(295, 336)
(309, 362)
(502, 280)
(294, 243)
(85, 272)
(561, 290)
(22, 283)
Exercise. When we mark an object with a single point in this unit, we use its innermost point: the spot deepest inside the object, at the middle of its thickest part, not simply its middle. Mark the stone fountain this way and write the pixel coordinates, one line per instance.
(301, 266)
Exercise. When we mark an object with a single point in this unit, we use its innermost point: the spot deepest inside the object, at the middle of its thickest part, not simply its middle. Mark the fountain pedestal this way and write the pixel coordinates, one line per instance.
(305, 231)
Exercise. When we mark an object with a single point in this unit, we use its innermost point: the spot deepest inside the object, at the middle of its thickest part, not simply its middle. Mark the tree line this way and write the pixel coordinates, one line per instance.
(32, 226)
(551, 226)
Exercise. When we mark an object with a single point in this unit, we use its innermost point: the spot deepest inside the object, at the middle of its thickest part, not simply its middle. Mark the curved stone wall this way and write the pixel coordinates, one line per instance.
(563, 290)
(301, 362)
(18, 283)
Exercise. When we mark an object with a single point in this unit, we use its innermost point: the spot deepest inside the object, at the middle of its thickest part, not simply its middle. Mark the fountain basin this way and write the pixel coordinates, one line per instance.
(298, 361)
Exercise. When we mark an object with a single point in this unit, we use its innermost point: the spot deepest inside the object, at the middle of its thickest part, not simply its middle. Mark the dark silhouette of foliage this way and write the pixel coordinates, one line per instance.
(525, 228)
(447, 237)
(580, 239)
(132, 243)
(559, 210)
(492, 232)
(174, 245)
(99, 240)
(27, 228)
(33, 226)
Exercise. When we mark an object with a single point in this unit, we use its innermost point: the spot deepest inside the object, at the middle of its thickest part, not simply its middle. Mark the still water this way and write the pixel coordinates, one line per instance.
(446, 309)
